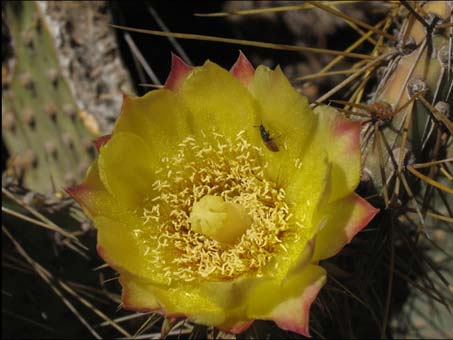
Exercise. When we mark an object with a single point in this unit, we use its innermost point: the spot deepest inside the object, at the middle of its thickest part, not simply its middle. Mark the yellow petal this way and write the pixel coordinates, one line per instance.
(126, 169)
(308, 183)
(137, 294)
(97, 203)
(190, 303)
(123, 245)
(310, 189)
(341, 139)
(92, 195)
(345, 218)
(288, 303)
(231, 295)
(217, 99)
(286, 116)
(215, 303)
(160, 118)
(92, 179)
(179, 301)
(301, 165)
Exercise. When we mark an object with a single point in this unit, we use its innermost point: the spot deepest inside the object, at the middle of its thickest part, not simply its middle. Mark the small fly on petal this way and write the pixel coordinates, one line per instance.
(268, 141)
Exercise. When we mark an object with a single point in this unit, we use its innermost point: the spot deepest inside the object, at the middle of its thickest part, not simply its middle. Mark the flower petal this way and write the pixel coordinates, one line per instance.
(101, 141)
(178, 73)
(95, 203)
(160, 118)
(126, 170)
(137, 295)
(310, 191)
(308, 180)
(341, 139)
(243, 69)
(345, 218)
(180, 300)
(288, 304)
(92, 196)
(92, 181)
(189, 302)
(237, 328)
(122, 245)
(217, 99)
(286, 116)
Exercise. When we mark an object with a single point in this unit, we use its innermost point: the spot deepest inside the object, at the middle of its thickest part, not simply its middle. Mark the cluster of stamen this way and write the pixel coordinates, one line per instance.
(220, 166)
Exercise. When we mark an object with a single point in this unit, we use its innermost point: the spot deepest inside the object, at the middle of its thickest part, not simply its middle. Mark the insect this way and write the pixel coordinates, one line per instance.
(268, 141)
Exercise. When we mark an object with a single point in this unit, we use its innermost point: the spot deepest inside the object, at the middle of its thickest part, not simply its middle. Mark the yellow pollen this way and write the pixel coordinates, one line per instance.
(219, 220)
(215, 214)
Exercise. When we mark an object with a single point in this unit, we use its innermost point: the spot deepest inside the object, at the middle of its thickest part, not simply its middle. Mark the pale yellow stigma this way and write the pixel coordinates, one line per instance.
(222, 221)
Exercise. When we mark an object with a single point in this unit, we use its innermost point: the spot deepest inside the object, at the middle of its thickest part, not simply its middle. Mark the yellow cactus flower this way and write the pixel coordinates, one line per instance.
(216, 197)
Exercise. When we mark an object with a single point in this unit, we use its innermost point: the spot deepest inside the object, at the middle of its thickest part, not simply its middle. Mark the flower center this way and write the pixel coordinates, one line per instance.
(214, 214)
(219, 220)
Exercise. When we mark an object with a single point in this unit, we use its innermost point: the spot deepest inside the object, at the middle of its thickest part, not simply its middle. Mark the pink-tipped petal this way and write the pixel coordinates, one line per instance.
(81, 194)
(92, 196)
(77, 192)
(240, 327)
(237, 328)
(294, 314)
(288, 302)
(178, 73)
(365, 212)
(346, 217)
(348, 130)
(243, 70)
(101, 252)
(91, 183)
(101, 141)
(94, 202)
(341, 138)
